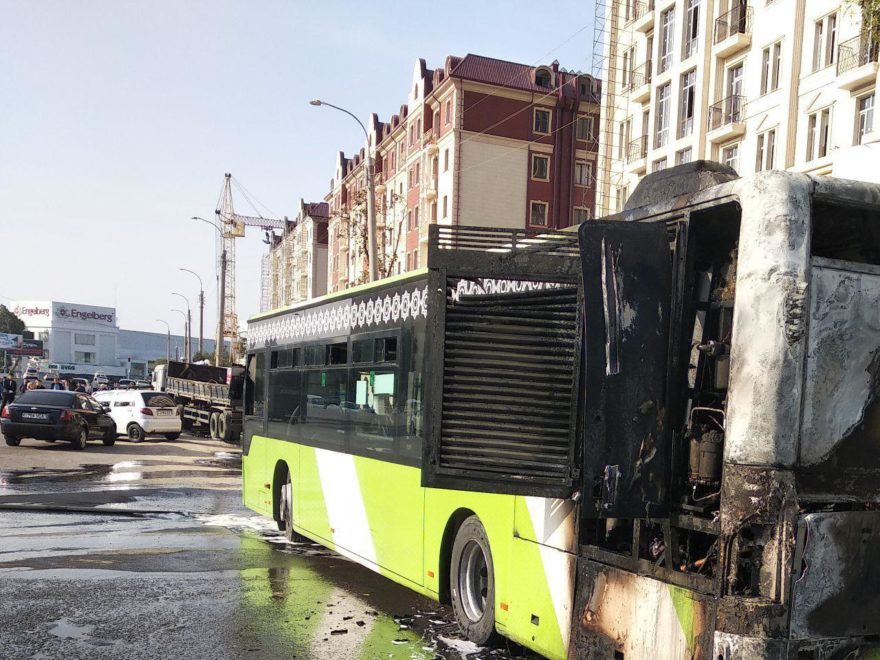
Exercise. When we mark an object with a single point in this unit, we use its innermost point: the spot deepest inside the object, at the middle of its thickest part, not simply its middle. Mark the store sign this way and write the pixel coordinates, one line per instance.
(29, 347)
(62, 368)
(32, 311)
(66, 312)
(10, 342)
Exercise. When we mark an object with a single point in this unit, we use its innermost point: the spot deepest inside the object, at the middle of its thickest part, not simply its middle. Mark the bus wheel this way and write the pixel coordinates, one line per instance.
(212, 425)
(472, 582)
(285, 512)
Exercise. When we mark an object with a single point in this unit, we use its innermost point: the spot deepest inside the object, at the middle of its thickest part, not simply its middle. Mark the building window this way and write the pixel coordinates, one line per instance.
(542, 77)
(445, 206)
(684, 156)
(818, 127)
(542, 121)
(766, 150)
(583, 173)
(688, 102)
(581, 215)
(409, 220)
(540, 167)
(691, 28)
(448, 118)
(418, 174)
(415, 258)
(770, 65)
(538, 214)
(83, 340)
(864, 117)
(730, 155)
(84, 357)
(825, 42)
(584, 128)
(662, 121)
(626, 73)
(622, 195)
(667, 30)
(658, 165)
(446, 160)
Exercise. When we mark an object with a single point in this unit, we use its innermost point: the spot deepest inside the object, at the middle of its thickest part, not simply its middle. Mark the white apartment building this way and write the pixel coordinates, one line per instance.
(298, 257)
(766, 84)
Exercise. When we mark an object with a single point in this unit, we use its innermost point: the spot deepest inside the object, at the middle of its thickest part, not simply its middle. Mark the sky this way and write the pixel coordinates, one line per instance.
(118, 120)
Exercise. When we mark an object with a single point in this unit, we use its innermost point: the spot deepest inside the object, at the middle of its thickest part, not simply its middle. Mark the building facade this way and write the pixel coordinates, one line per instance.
(298, 257)
(767, 84)
(479, 142)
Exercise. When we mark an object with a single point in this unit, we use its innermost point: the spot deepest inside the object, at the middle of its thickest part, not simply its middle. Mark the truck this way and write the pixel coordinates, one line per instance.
(209, 397)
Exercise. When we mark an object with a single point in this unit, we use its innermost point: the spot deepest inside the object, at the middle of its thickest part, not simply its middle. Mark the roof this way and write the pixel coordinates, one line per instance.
(317, 210)
(500, 72)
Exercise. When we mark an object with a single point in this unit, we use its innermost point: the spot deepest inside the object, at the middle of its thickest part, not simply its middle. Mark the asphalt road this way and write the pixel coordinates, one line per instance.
(145, 551)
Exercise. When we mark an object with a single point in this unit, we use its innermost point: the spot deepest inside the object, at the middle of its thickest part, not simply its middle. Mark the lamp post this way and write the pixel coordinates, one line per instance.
(201, 309)
(168, 341)
(185, 331)
(188, 350)
(371, 192)
(221, 299)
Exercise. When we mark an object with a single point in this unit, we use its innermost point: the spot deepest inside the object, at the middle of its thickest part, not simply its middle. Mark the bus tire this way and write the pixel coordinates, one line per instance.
(285, 511)
(472, 582)
(212, 425)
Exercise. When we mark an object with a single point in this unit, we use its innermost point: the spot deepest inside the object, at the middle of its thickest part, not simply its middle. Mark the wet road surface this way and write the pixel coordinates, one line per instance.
(145, 551)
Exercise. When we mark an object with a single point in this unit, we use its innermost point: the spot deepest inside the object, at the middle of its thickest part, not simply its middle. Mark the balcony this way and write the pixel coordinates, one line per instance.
(642, 18)
(727, 118)
(636, 155)
(857, 62)
(429, 141)
(733, 31)
(639, 85)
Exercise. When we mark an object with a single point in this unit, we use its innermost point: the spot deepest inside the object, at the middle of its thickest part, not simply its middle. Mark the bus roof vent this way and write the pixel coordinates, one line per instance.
(680, 180)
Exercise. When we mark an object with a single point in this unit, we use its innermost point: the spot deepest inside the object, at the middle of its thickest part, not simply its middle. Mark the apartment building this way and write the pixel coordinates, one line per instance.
(479, 141)
(766, 84)
(298, 257)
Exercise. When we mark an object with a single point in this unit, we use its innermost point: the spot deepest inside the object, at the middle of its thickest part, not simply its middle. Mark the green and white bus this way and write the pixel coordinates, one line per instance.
(654, 438)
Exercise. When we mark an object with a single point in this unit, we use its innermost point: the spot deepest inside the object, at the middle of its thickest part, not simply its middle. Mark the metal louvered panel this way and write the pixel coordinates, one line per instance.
(508, 386)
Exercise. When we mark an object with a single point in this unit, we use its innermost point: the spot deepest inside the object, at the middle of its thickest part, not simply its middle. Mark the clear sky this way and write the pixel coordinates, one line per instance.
(119, 118)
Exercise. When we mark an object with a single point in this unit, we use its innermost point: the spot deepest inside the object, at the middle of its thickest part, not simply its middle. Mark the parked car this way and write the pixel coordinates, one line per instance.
(139, 413)
(56, 415)
(143, 385)
(124, 384)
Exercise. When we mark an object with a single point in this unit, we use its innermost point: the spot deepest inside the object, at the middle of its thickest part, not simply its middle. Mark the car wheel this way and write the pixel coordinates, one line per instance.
(109, 438)
(82, 439)
(136, 432)
(472, 582)
(11, 441)
(172, 436)
(285, 512)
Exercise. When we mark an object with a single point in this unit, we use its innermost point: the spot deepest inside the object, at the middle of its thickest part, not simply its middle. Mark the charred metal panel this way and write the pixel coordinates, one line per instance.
(767, 349)
(840, 439)
(627, 285)
(620, 612)
(837, 589)
(742, 647)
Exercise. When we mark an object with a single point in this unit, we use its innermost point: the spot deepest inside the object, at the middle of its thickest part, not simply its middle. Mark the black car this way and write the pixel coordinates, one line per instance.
(56, 415)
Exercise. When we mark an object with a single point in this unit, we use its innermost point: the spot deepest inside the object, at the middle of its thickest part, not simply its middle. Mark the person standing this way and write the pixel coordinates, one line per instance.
(7, 390)
(56, 385)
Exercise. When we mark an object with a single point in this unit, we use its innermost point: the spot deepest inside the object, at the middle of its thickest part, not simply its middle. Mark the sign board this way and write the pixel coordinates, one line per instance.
(43, 313)
(10, 342)
(62, 368)
(29, 347)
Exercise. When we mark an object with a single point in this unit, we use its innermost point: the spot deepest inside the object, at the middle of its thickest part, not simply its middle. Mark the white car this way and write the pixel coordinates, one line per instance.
(139, 413)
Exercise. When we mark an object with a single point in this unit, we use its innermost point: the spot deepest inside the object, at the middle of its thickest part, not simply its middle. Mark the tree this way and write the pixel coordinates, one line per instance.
(870, 10)
(10, 323)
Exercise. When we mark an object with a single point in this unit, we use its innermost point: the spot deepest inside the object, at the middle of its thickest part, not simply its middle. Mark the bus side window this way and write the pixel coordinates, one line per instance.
(372, 413)
(255, 390)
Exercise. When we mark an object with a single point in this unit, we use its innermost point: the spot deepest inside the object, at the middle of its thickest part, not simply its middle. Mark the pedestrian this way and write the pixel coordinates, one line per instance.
(7, 393)
(56, 385)
(81, 388)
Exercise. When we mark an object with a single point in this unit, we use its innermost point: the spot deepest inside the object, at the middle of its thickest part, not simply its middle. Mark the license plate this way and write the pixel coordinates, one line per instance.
(25, 415)
(164, 413)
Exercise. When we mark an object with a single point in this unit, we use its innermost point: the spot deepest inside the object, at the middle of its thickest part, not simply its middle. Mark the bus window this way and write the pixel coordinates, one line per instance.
(255, 386)
(372, 415)
(337, 353)
(285, 396)
(323, 419)
(315, 356)
(362, 351)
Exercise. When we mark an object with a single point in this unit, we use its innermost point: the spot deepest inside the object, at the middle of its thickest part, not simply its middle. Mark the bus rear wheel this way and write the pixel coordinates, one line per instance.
(472, 582)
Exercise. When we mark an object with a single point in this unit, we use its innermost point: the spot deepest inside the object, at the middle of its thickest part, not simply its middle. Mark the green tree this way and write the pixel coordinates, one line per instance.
(10, 323)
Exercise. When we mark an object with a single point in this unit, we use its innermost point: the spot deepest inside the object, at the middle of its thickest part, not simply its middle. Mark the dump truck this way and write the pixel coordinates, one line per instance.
(209, 397)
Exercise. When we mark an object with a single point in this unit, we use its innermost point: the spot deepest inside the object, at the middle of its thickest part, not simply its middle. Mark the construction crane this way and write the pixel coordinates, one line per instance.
(232, 225)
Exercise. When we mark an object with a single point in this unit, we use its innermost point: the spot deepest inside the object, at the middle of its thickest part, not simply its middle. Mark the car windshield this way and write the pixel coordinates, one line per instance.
(157, 400)
(46, 398)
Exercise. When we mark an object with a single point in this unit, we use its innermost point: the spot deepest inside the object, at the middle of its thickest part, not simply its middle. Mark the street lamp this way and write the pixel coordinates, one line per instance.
(185, 331)
(371, 192)
(188, 350)
(201, 308)
(168, 342)
(221, 299)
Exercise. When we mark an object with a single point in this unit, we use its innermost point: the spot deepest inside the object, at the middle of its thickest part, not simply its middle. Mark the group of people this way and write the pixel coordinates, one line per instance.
(9, 387)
